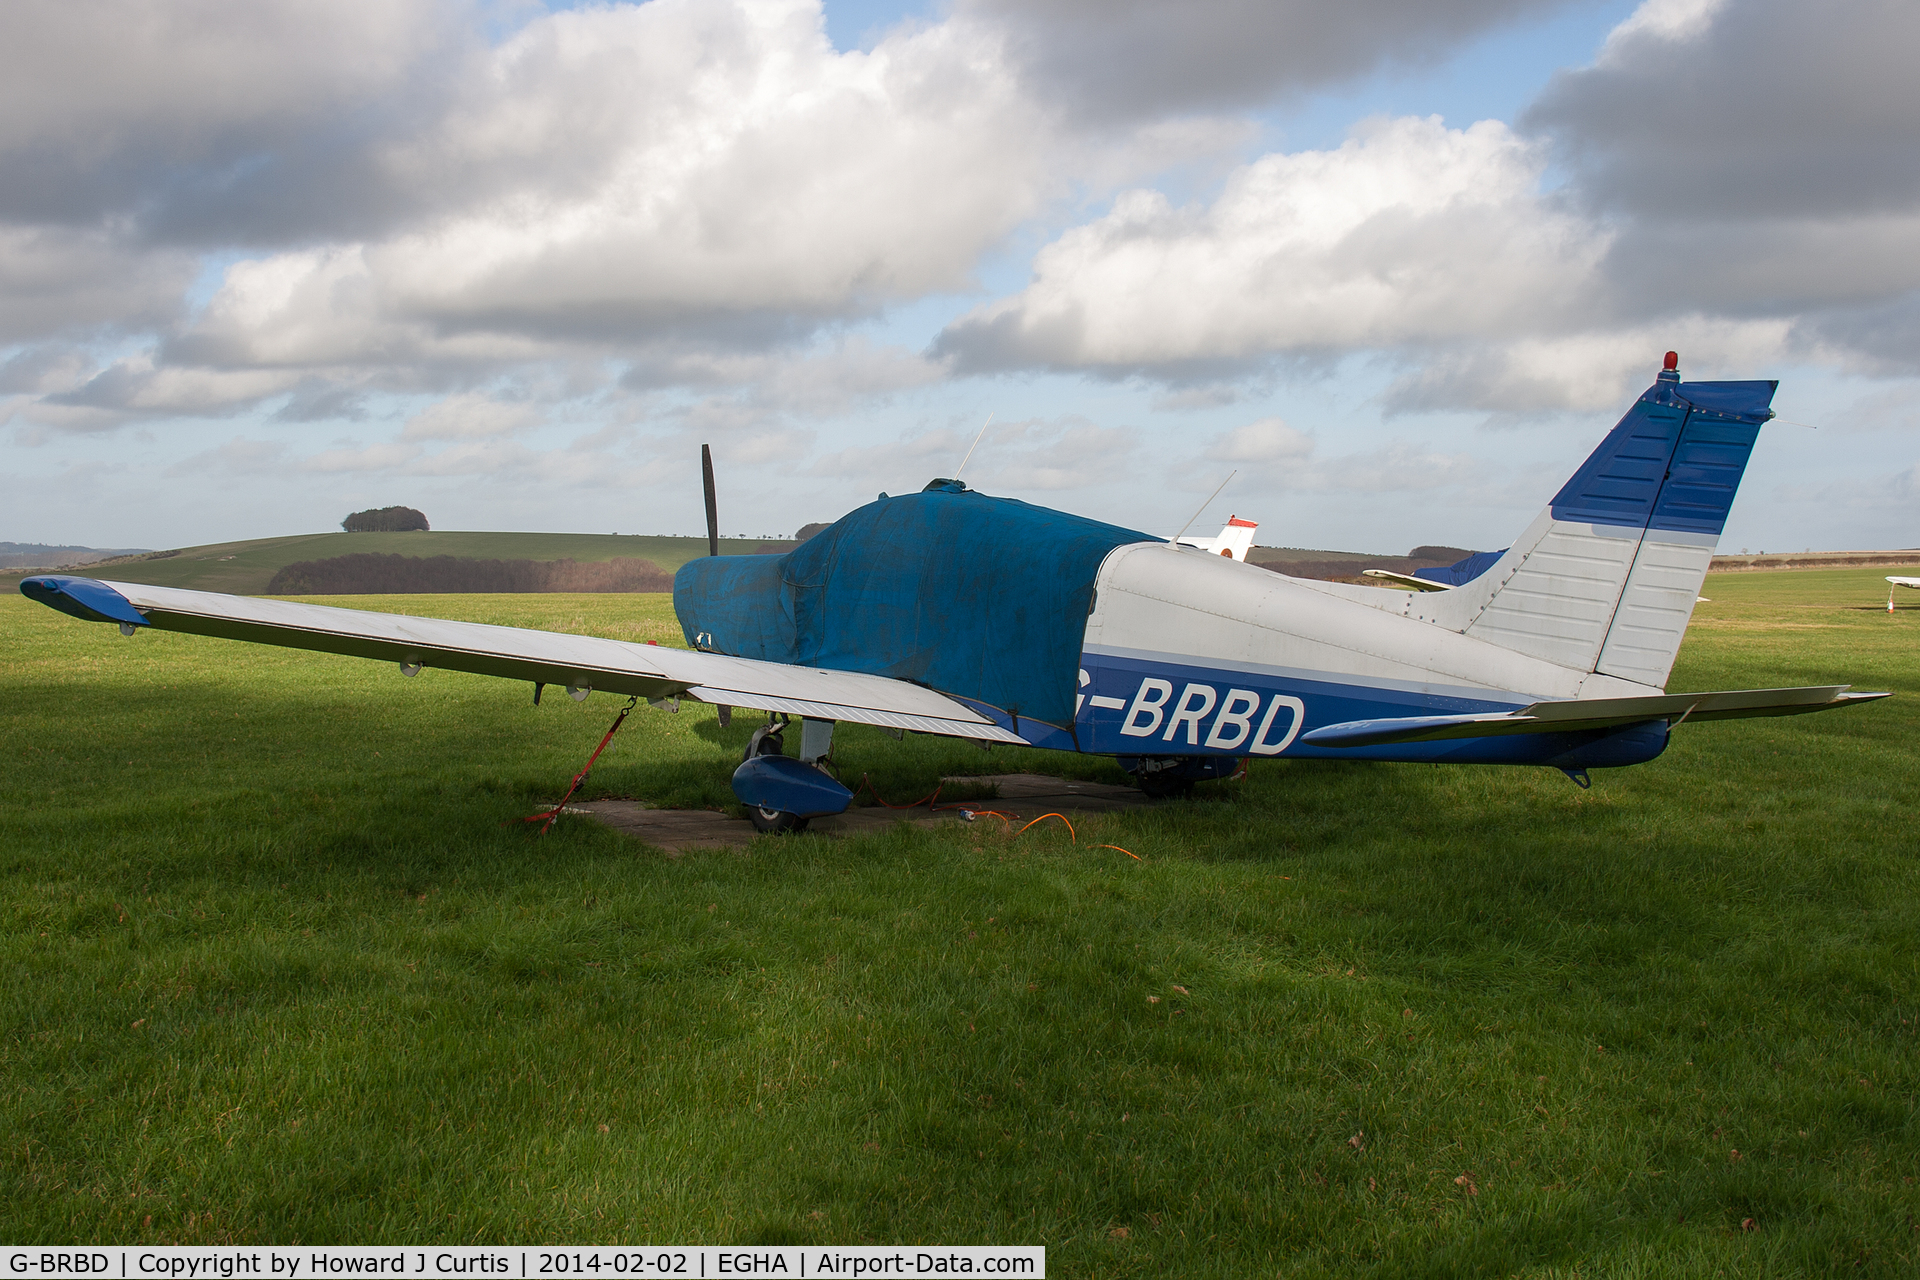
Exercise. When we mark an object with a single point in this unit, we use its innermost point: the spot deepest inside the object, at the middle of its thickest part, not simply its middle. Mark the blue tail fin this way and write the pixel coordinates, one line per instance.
(1605, 578)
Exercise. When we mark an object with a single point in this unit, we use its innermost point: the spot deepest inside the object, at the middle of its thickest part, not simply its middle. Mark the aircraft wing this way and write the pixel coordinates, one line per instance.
(1406, 580)
(1590, 713)
(546, 657)
(1905, 582)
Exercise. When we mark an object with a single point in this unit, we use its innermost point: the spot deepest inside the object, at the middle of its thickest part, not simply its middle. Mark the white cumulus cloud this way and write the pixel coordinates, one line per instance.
(1410, 232)
(1670, 21)
(658, 171)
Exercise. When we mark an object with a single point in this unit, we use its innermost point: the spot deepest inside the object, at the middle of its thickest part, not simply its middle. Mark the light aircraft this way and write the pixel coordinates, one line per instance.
(1235, 540)
(1899, 582)
(951, 612)
(1460, 572)
(1445, 578)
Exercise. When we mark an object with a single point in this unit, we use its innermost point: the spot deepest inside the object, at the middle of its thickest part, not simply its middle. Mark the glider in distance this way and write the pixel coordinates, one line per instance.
(951, 612)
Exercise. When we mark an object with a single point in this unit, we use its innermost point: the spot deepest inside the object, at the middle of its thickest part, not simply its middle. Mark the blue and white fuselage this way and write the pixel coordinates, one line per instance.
(1074, 635)
(1191, 655)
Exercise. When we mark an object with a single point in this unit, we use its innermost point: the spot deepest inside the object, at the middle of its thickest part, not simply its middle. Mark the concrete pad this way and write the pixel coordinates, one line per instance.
(673, 830)
(1020, 796)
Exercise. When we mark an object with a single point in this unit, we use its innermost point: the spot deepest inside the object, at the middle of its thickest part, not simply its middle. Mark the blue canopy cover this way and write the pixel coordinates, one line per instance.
(986, 598)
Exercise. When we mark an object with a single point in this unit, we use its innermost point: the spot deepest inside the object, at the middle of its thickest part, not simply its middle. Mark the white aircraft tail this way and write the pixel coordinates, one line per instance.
(1605, 579)
(1235, 540)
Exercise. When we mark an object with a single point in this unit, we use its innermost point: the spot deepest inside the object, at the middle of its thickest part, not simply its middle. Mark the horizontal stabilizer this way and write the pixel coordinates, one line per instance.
(545, 657)
(1580, 714)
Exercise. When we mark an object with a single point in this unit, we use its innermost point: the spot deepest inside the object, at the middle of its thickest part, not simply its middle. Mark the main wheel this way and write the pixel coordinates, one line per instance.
(1157, 787)
(775, 821)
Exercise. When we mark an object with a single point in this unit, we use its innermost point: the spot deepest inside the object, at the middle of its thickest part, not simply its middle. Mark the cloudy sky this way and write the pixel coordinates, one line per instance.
(1397, 264)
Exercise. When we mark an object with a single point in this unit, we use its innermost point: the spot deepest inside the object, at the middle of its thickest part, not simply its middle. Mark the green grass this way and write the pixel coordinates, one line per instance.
(245, 568)
(279, 969)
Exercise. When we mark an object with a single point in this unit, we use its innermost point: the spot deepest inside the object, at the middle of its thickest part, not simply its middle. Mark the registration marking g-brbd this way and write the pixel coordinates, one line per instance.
(1162, 713)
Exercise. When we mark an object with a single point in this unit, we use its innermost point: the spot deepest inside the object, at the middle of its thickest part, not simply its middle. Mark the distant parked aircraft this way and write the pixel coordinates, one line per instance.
(1443, 578)
(1235, 540)
(1899, 582)
(1447, 577)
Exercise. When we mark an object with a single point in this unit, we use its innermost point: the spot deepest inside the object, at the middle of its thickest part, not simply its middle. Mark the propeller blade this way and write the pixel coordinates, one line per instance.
(713, 510)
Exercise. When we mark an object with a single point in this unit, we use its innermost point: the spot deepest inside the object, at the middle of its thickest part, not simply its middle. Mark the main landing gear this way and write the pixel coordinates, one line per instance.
(1172, 777)
(775, 822)
(1156, 787)
(782, 794)
(766, 741)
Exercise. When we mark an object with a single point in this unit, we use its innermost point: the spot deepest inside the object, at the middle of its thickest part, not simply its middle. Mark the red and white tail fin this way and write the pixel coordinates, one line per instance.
(1235, 540)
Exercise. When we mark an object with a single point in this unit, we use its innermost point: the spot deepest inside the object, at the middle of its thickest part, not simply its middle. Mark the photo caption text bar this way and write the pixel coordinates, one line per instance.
(600, 1262)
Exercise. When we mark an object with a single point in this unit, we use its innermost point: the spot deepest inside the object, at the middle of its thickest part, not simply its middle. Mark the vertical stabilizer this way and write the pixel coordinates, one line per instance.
(1235, 540)
(1605, 578)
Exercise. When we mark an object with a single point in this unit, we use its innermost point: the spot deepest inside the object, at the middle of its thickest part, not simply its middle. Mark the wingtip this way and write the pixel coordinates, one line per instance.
(84, 598)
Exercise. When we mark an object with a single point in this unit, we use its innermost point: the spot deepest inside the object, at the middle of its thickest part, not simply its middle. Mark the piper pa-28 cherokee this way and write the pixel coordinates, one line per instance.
(951, 612)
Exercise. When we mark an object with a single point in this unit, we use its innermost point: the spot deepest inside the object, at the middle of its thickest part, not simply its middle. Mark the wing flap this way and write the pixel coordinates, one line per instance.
(827, 711)
(1585, 714)
(548, 657)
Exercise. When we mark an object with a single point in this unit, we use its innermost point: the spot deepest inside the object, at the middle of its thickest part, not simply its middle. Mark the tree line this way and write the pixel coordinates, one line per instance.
(385, 520)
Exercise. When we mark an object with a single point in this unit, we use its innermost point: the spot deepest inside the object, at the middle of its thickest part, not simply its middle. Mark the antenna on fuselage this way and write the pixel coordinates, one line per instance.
(975, 445)
(1203, 506)
(713, 509)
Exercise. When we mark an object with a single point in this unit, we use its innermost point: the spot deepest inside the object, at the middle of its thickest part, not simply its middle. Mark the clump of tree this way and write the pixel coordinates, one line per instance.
(384, 520)
(365, 573)
(808, 530)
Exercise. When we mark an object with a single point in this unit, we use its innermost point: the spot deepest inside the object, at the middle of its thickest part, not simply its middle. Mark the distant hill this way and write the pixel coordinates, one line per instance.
(245, 568)
(365, 574)
(41, 555)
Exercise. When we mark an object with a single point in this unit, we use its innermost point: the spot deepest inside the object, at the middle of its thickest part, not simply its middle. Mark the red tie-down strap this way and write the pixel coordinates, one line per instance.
(546, 819)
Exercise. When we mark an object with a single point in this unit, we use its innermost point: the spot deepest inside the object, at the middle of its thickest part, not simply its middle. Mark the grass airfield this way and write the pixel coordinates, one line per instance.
(282, 967)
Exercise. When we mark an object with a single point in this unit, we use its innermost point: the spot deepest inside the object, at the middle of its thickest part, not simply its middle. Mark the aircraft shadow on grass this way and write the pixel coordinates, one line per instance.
(951, 612)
